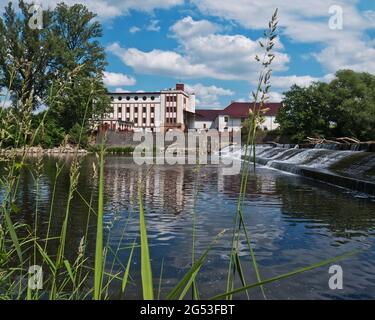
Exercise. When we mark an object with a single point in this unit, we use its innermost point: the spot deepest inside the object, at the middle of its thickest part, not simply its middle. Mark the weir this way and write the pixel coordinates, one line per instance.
(354, 170)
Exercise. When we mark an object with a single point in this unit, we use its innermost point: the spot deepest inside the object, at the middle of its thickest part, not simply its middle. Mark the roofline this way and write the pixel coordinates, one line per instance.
(139, 93)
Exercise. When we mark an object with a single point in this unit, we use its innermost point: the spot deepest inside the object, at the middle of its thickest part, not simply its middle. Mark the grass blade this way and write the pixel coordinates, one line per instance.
(126, 273)
(240, 272)
(146, 272)
(286, 275)
(190, 276)
(99, 232)
(160, 278)
(13, 235)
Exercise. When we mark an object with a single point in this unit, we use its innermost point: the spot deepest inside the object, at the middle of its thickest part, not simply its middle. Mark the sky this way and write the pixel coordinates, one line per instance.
(210, 45)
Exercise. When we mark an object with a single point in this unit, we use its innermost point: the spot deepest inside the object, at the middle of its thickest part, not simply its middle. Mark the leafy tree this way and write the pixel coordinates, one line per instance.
(353, 104)
(77, 135)
(59, 67)
(25, 55)
(305, 112)
(50, 134)
(80, 62)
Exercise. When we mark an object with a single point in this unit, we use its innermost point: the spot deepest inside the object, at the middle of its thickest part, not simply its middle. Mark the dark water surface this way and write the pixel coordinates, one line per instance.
(292, 222)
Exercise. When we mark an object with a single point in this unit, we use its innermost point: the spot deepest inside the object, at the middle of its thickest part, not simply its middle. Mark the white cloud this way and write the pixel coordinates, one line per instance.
(160, 62)
(134, 29)
(153, 26)
(275, 96)
(121, 90)
(107, 9)
(307, 21)
(355, 55)
(114, 79)
(285, 82)
(208, 96)
(187, 28)
(202, 54)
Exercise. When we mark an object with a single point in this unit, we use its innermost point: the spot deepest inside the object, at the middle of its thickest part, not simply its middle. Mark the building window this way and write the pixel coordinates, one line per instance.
(128, 98)
(144, 120)
(119, 109)
(136, 98)
(112, 98)
(226, 119)
(127, 109)
(152, 98)
(152, 109)
(119, 98)
(204, 126)
(175, 98)
(144, 110)
(152, 120)
(136, 109)
(144, 98)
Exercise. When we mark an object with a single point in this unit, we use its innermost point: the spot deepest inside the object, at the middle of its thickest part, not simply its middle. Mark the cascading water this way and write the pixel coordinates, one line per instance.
(346, 168)
(350, 169)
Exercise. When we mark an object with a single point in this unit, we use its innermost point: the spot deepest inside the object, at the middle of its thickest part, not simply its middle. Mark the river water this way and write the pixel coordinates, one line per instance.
(292, 222)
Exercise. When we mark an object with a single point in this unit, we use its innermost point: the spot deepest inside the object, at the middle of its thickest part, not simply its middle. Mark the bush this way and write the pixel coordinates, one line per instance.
(50, 135)
(78, 135)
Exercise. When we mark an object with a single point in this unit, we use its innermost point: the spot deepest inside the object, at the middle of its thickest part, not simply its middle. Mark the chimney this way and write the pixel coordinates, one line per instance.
(180, 86)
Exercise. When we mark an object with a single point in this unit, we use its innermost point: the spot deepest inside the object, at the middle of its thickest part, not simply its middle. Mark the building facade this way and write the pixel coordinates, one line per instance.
(232, 117)
(151, 111)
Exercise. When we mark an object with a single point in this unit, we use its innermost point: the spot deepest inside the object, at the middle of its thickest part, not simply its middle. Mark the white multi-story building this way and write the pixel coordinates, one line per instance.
(151, 111)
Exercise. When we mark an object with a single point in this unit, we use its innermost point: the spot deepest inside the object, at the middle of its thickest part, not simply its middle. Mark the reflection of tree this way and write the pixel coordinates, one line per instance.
(323, 206)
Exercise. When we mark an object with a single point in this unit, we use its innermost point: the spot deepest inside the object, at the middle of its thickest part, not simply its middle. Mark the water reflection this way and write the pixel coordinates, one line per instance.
(292, 222)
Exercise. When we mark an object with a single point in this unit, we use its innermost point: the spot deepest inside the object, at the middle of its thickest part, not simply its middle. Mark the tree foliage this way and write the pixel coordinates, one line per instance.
(344, 107)
(59, 67)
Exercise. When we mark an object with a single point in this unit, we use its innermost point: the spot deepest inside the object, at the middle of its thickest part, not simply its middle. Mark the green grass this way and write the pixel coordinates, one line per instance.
(146, 271)
(99, 231)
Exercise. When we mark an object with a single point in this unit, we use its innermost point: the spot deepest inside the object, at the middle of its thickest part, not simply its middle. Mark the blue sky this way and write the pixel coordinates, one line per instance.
(210, 44)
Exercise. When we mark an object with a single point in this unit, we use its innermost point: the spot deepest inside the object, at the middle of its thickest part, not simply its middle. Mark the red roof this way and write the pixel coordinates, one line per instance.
(206, 114)
(241, 109)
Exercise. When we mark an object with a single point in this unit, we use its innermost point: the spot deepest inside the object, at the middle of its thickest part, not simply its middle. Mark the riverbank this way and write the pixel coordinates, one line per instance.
(65, 150)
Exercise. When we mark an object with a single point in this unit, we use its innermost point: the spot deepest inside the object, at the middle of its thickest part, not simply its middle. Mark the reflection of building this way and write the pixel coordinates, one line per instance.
(152, 111)
(232, 117)
(163, 186)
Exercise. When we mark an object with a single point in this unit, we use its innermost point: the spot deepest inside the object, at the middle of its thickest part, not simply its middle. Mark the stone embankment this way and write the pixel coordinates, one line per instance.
(34, 151)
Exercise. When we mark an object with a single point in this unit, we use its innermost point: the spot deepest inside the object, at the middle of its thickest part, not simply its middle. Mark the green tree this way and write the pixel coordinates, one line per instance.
(65, 53)
(25, 55)
(80, 62)
(353, 104)
(305, 112)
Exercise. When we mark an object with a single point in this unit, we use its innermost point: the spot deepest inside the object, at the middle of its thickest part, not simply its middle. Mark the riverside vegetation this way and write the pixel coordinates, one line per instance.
(65, 277)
